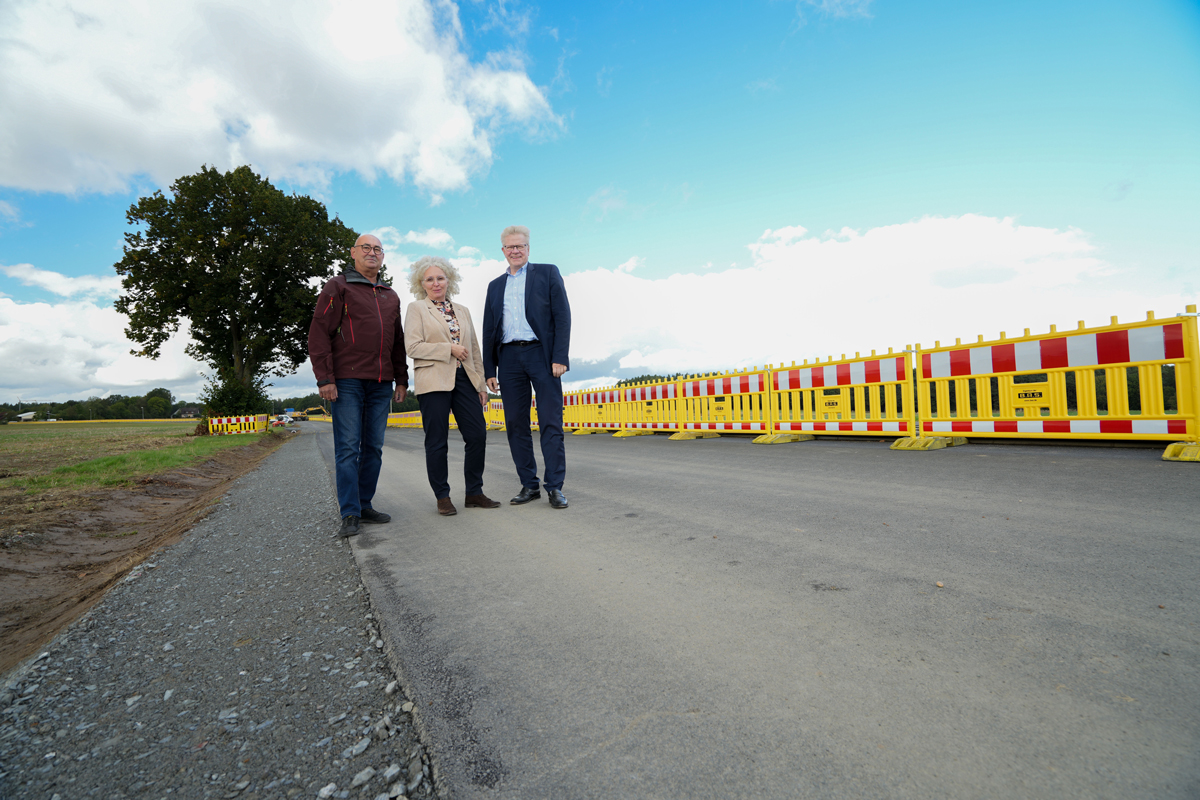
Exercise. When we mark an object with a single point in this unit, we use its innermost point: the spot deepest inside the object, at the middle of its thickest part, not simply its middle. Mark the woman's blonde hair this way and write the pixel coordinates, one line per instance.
(416, 274)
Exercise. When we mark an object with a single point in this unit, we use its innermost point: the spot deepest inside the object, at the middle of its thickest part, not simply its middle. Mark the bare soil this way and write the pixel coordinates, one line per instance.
(73, 549)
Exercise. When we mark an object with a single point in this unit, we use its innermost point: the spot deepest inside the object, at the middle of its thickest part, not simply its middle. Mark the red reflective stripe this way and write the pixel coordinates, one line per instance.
(1116, 426)
(1112, 347)
(1005, 425)
(903, 426)
(874, 426)
(1056, 426)
(960, 362)
(1054, 353)
(1176, 426)
(927, 425)
(1173, 341)
(960, 426)
(843, 374)
(1004, 358)
(871, 369)
(926, 366)
(818, 377)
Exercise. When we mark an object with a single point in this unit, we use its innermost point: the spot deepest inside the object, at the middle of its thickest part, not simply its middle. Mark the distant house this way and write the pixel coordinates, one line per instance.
(27, 416)
(189, 412)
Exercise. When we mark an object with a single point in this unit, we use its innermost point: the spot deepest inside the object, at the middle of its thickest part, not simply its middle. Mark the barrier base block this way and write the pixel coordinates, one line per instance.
(627, 434)
(781, 438)
(686, 435)
(1182, 451)
(586, 431)
(927, 442)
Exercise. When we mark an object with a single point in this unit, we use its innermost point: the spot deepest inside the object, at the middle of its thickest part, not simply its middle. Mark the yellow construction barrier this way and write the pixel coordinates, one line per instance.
(650, 406)
(592, 411)
(1119, 381)
(1136, 381)
(735, 402)
(493, 416)
(406, 419)
(860, 396)
(218, 426)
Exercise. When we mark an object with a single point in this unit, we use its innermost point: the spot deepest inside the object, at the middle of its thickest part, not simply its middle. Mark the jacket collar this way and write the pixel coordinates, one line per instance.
(354, 276)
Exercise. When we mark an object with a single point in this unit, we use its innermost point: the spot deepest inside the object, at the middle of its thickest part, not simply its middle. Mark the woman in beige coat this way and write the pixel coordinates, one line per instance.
(448, 376)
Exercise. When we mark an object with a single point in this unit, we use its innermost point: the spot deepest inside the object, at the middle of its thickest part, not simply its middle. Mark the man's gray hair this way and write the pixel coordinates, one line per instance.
(514, 230)
(416, 274)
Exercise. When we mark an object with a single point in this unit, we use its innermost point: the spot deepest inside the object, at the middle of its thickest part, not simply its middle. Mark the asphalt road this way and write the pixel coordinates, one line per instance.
(718, 619)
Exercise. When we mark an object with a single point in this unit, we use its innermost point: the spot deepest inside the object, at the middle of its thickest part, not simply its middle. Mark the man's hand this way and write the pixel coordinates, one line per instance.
(328, 392)
(493, 384)
(483, 400)
(401, 393)
(558, 369)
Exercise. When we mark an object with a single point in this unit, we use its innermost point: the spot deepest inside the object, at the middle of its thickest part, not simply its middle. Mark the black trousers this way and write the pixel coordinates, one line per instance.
(435, 419)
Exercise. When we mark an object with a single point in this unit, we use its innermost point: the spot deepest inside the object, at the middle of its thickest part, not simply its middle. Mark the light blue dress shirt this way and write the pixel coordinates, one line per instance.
(515, 325)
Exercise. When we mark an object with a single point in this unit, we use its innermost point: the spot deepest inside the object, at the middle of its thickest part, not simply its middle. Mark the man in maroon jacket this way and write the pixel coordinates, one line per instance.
(356, 346)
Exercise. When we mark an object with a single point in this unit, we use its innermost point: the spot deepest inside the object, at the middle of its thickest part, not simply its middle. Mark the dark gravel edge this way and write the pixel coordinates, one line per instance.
(244, 661)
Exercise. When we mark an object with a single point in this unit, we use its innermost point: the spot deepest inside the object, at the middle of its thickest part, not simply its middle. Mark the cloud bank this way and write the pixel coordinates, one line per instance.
(96, 94)
(804, 296)
(811, 296)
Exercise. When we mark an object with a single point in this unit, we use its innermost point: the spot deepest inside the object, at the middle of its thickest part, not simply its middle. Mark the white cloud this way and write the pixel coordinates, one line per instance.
(77, 349)
(9, 212)
(836, 8)
(64, 285)
(804, 297)
(631, 264)
(431, 237)
(95, 94)
(808, 297)
(604, 201)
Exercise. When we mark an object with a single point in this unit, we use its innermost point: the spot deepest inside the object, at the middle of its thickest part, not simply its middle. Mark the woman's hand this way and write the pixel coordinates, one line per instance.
(458, 351)
(483, 400)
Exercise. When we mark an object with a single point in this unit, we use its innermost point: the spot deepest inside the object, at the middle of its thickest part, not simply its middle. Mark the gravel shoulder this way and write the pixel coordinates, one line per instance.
(243, 661)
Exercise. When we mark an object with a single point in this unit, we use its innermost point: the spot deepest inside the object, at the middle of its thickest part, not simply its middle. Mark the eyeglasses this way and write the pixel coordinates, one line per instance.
(512, 248)
(367, 248)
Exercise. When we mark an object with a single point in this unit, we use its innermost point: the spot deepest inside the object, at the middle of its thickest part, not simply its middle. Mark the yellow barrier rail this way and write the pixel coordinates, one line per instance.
(1118, 381)
(1135, 381)
(596, 410)
(859, 396)
(219, 426)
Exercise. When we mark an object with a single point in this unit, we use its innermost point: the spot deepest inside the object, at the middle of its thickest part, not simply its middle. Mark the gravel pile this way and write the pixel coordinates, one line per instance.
(242, 662)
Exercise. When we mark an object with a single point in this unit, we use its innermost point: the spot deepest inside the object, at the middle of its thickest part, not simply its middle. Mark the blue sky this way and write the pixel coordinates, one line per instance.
(722, 183)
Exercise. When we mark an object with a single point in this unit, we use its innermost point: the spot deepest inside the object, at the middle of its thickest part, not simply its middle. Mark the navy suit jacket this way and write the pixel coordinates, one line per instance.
(546, 309)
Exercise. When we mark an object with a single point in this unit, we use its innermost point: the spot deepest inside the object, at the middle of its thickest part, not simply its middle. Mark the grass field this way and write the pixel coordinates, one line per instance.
(37, 458)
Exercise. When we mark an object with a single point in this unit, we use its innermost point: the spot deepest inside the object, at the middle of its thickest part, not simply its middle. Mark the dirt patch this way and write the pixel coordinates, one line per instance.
(73, 549)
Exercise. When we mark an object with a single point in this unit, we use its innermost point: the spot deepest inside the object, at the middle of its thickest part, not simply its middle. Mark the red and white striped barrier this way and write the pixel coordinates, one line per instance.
(1154, 343)
(883, 370)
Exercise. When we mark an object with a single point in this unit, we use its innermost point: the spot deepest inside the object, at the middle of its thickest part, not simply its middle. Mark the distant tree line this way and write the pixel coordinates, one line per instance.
(155, 404)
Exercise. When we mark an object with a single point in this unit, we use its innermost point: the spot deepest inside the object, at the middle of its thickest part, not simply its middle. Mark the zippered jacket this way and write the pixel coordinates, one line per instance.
(356, 332)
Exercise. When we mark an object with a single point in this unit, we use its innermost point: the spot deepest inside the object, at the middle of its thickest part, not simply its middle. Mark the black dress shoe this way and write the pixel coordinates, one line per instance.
(349, 527)
(377, 517)
(557, 498)
(525, 496)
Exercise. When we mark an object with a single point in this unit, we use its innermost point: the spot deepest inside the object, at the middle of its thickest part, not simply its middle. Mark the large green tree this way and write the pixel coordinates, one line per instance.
(237, 258)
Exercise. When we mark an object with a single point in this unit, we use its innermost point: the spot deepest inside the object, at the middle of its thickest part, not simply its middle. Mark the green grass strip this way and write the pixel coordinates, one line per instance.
(127, 467)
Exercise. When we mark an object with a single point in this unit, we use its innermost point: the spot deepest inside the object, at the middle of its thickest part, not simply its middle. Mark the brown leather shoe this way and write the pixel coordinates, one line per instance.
(446, 508)
(480, 501)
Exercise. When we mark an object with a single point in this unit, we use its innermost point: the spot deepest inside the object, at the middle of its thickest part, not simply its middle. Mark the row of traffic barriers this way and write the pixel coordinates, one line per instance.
(493, 416)
(1132, 381)
(218, 426)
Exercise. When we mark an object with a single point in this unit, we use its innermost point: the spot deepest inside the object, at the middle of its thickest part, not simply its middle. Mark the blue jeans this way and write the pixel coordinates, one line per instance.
(359, 420)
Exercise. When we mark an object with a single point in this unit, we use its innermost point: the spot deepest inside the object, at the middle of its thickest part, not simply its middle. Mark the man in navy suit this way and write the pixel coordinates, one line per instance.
(526, 335)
